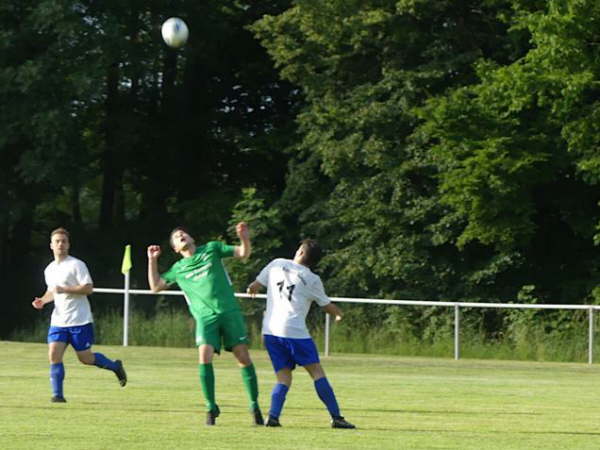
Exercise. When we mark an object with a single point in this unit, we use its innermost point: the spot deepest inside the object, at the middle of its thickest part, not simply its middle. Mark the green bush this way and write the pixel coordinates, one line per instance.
(539, 335)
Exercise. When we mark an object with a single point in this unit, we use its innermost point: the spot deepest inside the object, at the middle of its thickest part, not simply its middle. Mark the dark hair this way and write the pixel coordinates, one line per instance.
(60, 230)
(178, 228)
(312, 252)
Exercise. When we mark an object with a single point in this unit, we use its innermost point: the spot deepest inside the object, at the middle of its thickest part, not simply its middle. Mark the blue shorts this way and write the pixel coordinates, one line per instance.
(80, 337)
(287, 352)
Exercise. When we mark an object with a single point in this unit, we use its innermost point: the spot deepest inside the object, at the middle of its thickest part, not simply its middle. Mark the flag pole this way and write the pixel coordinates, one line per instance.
(125, 268)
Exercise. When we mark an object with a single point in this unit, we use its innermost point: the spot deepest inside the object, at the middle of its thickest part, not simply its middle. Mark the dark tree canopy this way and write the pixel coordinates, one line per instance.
(437, 150)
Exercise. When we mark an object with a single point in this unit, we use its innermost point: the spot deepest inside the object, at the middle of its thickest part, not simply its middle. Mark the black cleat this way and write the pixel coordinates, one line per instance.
(272, 422)
(340, 422)
(211, 416)
(120, 373)
(57, 399)
(257, 417)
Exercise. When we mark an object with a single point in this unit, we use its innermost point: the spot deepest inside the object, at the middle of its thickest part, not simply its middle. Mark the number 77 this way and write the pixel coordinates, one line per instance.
(289, 288)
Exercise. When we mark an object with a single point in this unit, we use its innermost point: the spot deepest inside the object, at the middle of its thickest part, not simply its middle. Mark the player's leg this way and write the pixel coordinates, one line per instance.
(327, 396)
(208, 341)
(207, 382)
(235, 338)
(82, 339)
(57, 344)
(323, 388)
(206, 353)
(306, 355)
(283, 364)
(278, 396)
(248, 372)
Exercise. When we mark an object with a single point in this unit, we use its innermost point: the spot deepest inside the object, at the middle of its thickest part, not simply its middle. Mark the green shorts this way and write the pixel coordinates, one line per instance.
(228, 328)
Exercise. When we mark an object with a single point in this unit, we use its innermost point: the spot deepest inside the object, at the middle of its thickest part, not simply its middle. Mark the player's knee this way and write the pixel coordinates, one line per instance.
(86, 359)
(244, 361)
(284, 378)
(242, 355)
(55, 357)
(315, 371)
(205, 354)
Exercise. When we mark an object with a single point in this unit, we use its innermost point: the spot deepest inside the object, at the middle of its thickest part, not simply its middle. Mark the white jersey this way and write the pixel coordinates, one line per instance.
(291, 289)
(69, 309)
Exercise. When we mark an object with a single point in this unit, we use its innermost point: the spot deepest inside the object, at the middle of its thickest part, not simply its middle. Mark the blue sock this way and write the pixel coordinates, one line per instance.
(277, 400)
(327, 396)
(103, 362)
(57, 375)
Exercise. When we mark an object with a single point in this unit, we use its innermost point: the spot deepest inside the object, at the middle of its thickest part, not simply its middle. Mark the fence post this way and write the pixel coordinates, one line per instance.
(591, 335)
(327, 323)
(456, 332)
(126, 312)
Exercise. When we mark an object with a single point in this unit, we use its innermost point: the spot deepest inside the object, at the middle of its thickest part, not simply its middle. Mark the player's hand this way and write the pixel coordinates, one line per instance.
(37, 303)
(153, 251)
(241, 229)
(59, 290)
(251, 289)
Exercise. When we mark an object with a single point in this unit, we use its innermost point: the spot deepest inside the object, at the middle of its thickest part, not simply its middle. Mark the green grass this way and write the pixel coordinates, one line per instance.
(397, 403)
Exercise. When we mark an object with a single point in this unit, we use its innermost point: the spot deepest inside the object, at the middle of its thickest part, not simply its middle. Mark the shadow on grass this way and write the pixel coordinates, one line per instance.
(420, 411)
(504, 432)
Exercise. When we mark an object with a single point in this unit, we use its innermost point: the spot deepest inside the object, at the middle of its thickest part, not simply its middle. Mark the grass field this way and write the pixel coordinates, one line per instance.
(396, 402)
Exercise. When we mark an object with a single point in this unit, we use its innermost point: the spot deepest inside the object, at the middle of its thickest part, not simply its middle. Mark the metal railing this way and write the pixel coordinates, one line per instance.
(456, 305)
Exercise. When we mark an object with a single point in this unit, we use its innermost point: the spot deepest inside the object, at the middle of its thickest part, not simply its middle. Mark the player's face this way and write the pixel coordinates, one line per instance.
(180, 240)
(299, 253)
(59, 244)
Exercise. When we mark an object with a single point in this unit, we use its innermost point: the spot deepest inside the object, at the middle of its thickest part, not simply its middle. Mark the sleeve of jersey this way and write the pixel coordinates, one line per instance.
(169, 276)
(83, 274)
(225, 250)
(47, 279)
(263, 276)
(318, 293)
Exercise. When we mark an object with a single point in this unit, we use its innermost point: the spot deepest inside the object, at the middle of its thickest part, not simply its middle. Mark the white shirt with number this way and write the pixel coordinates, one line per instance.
(291, 289)
(70, 310)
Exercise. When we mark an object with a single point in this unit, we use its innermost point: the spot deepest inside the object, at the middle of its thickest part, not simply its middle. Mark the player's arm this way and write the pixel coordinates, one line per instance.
(156, 283)
(254, 287)
(80, 289)
(319, 295)
(39, 302)
(334, 311)
(243, 250)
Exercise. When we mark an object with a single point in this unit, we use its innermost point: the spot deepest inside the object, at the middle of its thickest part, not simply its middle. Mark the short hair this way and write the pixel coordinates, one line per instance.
(60, 230)
(312, 252)
(178, 228)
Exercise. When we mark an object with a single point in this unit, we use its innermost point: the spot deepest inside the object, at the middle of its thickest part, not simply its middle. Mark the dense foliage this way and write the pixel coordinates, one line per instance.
(438, 150)
(108, 132)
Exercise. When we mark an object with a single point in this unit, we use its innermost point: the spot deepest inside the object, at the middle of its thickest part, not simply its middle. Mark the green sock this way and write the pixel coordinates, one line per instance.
(251, 385)
(207, 382)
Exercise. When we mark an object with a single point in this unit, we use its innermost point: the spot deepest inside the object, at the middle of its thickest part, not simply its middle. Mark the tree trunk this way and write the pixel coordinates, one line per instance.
(109, 160)
(75, 204)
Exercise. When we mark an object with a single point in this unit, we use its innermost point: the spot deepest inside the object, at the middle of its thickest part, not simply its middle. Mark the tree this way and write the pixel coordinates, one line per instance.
(365, 69)
(110, 133)
(518, 154)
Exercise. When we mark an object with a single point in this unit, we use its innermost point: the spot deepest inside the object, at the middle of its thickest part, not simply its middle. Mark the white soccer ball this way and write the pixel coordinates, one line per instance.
(175, 32)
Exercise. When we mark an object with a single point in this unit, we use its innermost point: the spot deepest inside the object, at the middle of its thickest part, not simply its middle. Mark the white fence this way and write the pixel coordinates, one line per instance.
(456, 305)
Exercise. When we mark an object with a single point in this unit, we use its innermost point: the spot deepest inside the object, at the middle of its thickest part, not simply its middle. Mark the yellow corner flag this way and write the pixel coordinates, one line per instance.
(126, 265)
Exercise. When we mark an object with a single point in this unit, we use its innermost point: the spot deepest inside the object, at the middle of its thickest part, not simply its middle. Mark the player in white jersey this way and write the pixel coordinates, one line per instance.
(69, 283)
(291, 289)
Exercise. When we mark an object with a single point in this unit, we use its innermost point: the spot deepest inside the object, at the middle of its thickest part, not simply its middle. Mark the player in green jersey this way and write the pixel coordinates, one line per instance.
(219, 321)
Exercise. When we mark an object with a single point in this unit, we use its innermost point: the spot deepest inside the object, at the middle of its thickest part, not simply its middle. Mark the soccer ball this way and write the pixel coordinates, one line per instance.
(174, 32)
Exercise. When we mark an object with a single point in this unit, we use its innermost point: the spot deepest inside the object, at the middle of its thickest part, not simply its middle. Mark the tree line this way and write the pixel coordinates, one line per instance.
(438, 150)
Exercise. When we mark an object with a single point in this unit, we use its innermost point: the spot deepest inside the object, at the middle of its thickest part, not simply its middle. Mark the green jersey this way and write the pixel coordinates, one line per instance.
(203, 279)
